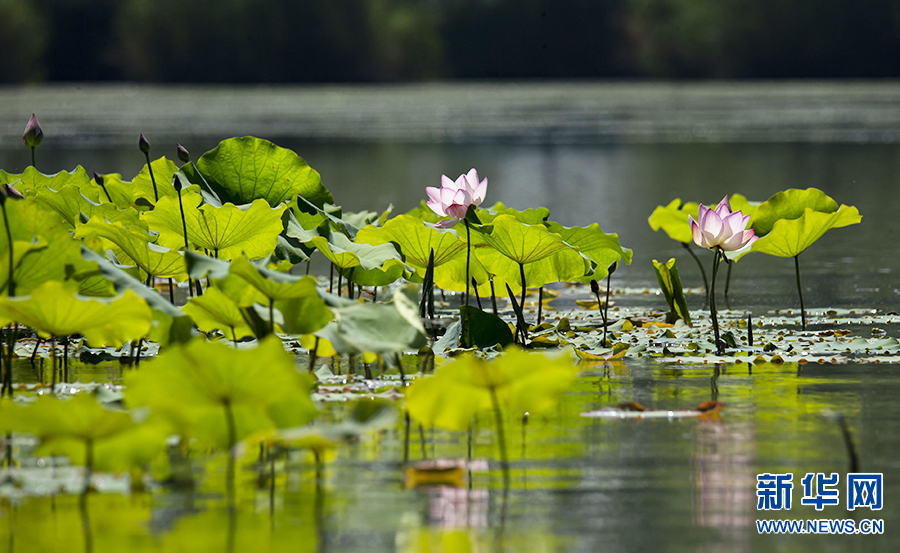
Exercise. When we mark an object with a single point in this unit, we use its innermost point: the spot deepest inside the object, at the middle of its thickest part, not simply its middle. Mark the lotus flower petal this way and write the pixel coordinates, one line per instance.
(454, 197)
(721, 228)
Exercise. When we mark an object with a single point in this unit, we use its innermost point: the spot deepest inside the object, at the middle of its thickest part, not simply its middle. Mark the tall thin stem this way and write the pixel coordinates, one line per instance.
(800, 292)
(522, 276)
(184, 229)
(712, 300)
(32, 158)
(501, 437)
(468, 258)
(232, 440)
(152, 178)
(606, 311)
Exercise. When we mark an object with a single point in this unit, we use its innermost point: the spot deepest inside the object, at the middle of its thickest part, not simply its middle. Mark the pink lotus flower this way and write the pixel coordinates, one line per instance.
(453, 199)
(722, 228)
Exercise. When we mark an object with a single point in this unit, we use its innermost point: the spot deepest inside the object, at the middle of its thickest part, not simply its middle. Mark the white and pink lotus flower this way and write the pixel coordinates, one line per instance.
(721, 228)
(453, 198)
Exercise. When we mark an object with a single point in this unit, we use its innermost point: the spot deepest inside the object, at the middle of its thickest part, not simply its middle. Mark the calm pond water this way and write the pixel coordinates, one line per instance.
(578, 484)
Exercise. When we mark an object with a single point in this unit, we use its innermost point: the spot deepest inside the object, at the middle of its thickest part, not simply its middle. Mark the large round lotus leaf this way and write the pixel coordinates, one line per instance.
(214, 310)
(53, 311)
(521, 242)
(152, 259)
(790, 204)
(415, 239)
(789, 237)
(601, 248)
(80, 418)
(241, 170)
(229, 231)
(192, 384)
(458, 391)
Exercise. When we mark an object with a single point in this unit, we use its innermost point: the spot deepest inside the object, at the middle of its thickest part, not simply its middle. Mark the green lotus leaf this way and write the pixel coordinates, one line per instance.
(790, 204)
(601, 248)
(214, 310)
(416, 241)
(670, 284)
(114, 191)
(170, 329)
(673, 219)
(789, 237)
(242, 170)
(164, 172)
(523, 243)
(451, 275)
(531, 216)
(377, 328)
(79, 418)
(459, 390)
(124, 281)
(304, 314)
(195, 384)
(228, 230)
(388, 273)
(30, 181)
(273, 284)
(346, 254)
(562, 265)
(483, 330)
(53, 311)
(739, 202)
(152, 259)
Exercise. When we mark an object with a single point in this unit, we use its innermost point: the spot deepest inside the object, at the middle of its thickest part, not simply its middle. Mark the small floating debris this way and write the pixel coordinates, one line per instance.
(634, 410)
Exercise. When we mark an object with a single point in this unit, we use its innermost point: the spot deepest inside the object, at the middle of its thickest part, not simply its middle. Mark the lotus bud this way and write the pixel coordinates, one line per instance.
(99, 178)
(183, 154)
(177, 183)
(144, 144)
(595, 288)
(34, 134)
(612, 268)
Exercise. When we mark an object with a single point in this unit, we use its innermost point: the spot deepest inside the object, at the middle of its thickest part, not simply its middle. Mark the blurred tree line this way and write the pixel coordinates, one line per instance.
(384, 40)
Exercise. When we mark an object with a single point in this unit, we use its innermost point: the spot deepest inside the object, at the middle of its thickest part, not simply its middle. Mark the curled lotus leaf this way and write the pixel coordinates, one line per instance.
(790, 204)
(164, 172)
(415, 240)
(216, 311)
(151, 259)
(242, 170)
(789, 237)
(601, 248)
(673, 219)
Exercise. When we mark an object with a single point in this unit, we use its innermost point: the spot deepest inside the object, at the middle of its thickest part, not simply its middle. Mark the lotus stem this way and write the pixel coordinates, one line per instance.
(712, 299)
(232, 440)
(848, 443)
(331, 278)
(272, 315)
(728, 280)
(183, 228)
(697, 260)
(750, 330)
(340, 282)
(493, 297)
(406, 439)
(522, 276)
(152, 178)
(82, 502)
(606, 311)
(540, 304)
(468, 257)
(800, 292)
(312, 355)
(477, 296)
(501, 437)
(32, 158)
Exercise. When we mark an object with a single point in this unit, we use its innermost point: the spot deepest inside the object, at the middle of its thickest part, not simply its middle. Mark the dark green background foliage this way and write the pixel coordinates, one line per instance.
(410, 40)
